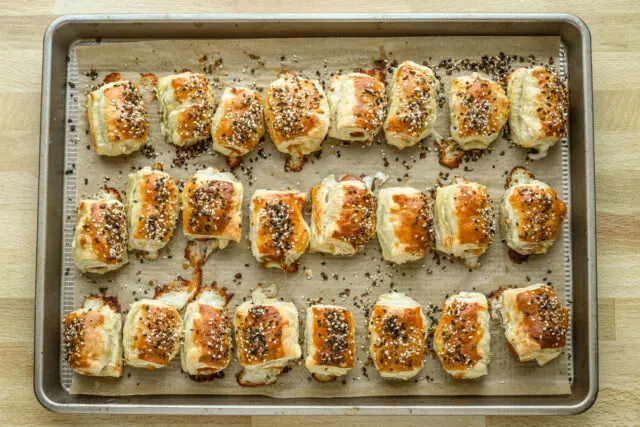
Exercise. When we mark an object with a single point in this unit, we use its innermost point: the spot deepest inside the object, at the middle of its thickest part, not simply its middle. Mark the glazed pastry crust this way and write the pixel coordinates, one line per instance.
(413, 104)
(462, 340)
(117, 118)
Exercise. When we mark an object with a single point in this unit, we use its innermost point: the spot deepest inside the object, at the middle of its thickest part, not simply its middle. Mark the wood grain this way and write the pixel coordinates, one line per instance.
(616, 56)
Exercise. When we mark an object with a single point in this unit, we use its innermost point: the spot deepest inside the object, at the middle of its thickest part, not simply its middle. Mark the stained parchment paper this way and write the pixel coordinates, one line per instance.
(355, 282)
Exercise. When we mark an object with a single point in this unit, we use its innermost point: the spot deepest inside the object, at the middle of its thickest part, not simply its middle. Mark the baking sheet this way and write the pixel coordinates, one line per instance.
(353, 282)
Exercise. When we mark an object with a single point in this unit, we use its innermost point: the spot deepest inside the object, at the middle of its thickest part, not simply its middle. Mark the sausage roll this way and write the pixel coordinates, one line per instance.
(463, 220)
(279, 234)
(206, 349)
(532, 213)
(405, 223)
(479, 109)
(413, 104)
(92, 338)
(238, 124)
(151, 334)
(266, 333)
(186, 103)
(539, 109)
(357, 104)
(296, 112)
(330, 338)
(462, 340)
(343, 215)
(535, 321)
(153, 207)
(398, 332)
(117, 118)
(100, 239)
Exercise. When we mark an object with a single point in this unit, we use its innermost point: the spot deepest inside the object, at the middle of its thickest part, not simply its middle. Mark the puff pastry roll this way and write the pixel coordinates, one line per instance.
(330, 338)
(186, 103)
(358, 105)
(279, 234)
(463, 220)
(153, 206)
(151, 334)
(296, 112)
(206, 349)
(238, 124)
(535, 322)
(92, 344)
(343, 215)
(413, 104)
(532, 213)
(462, 340)
(479, 108)
(117, 118)
(266, 333)
(398, 332)
(539, 109)
(100, 239)
(404, 223)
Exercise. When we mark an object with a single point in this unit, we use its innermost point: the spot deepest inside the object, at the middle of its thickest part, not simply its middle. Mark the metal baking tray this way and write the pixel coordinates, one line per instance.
(65, 31)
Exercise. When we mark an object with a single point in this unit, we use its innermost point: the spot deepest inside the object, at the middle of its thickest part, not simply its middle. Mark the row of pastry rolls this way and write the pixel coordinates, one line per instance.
(267, 338)
(298, 115)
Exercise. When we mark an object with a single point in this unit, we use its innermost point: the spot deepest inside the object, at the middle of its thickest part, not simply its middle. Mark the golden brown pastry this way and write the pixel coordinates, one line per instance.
(330, 338)
(398, 332)
(92, 343)
(153, 207)
(279, 234)
(100, 239)
(117, 118)
(462, 340)
(413, 104)
(238, 124)
(343, 215)
(296, 112)
(186, 102)
(535, 321)
(404, 223)
(479, 109)
(532, 213)
(539, 109)
(463, 220)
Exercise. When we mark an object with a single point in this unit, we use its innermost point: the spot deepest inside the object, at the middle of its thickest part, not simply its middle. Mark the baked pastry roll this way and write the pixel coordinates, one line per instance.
(479, 108)
(398, 332)
(100, 239)
(404, 223)
(212, 210)
(151, 334)
(343, 215)
(92, 344)
(330, 338)
(186, 103)
(296, 112)
(117, 118)
(532, 213)
(238, 124)
(279, 234)
(539, 109)
(535, 321)
(206, 349)
(266, 334)
(153, 206)
(462, 340)
(413, 104)
(358, 105)
(463, 220)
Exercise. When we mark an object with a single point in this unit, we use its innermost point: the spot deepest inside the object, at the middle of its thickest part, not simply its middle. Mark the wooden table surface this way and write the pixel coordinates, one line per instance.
(616, 60)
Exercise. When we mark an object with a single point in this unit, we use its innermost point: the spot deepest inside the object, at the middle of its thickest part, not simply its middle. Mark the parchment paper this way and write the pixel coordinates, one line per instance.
(354, 282)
